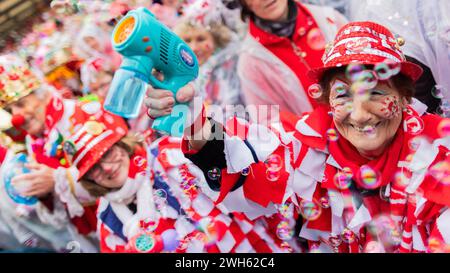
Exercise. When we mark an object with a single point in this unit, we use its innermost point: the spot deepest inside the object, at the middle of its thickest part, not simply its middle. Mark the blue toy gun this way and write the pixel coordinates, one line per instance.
(147, 45)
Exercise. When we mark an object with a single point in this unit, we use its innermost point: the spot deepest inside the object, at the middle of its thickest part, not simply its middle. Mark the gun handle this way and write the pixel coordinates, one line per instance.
(173, 124)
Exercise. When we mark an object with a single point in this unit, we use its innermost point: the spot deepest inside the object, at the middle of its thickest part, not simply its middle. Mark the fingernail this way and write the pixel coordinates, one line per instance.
(171, 102)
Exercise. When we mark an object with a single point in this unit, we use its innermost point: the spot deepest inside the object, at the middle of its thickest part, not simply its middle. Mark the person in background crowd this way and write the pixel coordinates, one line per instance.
(48, 119)
(217, 51)
(93, 44)
(285, 40)
(167, 11)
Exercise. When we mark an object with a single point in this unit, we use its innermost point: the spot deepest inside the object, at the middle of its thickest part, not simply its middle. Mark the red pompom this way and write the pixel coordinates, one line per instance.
(17, 120)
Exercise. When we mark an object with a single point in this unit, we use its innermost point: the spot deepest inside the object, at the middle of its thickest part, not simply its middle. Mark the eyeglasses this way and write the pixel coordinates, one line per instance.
(112, 155)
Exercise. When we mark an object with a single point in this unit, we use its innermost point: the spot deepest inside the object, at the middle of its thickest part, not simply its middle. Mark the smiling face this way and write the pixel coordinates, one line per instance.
(32, 108)
(200, 41)
(272, 10)
(368, 119)
(111, 171)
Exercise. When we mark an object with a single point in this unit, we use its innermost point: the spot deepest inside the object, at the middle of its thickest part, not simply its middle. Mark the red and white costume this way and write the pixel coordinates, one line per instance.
(200, 225)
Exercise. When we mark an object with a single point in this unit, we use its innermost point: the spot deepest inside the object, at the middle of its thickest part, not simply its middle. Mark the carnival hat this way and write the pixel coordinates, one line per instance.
(16, 79)
(365, 43)
(96, 131)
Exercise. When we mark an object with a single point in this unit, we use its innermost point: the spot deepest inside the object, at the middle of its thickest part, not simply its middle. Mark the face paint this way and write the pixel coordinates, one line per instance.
(390, 107)
(368, 120)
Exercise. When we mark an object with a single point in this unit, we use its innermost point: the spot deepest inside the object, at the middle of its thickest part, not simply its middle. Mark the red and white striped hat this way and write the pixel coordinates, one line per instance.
(365, 43)
(93, 136)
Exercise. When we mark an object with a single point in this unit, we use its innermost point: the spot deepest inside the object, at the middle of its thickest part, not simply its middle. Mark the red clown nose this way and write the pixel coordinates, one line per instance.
(17, 120)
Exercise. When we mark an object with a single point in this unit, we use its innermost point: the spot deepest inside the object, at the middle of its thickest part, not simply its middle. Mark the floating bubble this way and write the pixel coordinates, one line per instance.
(342, 181)
(245, 171)
(367, 79)
(324, 202)
(315, 39)
(394, 67)
(214, 173)
(332, 135)
(272, 176)
(284, 232)
(444, 128)
(441, 172)
(161, 194)
(348, 172)
(286, 211)
(352, 70)
(348, 236)
(274, 163)
(310, 210)
(382, 71)
(368, 177)
(438, 92)
(315, 91)
(339, 88)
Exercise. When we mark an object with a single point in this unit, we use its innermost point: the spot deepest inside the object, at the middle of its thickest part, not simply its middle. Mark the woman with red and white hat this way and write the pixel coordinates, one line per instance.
(158, 210)
(368, 171)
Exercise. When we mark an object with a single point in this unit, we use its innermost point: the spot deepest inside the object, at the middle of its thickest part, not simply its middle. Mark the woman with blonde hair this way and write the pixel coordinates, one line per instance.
(216, 48)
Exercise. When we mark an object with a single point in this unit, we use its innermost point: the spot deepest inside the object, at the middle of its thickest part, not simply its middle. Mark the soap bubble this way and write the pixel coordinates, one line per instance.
(310, 210)
(315, 91)
(348, 236)
(274, 163)
(332, 135)
(368, 177)
(272, 176)
(438, 91)
(342, 181)
(214, 173)
(315, 39)
(284, 231)
(352, 70)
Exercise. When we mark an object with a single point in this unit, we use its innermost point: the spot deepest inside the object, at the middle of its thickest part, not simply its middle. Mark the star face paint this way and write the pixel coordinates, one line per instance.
(368, 121)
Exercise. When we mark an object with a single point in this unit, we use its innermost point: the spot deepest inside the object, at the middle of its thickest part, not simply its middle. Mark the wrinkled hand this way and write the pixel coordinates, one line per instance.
(39, 182)
(160, 102)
